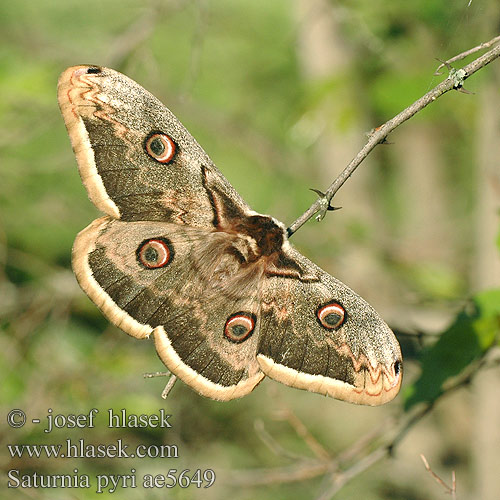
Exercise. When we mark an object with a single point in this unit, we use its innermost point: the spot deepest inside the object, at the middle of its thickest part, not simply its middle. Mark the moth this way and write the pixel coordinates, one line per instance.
(180, 257)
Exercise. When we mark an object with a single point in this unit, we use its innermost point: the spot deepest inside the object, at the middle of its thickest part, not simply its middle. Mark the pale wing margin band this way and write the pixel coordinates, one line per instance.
(197, 381)
(337, 389)
(83, 246)
(69, 91)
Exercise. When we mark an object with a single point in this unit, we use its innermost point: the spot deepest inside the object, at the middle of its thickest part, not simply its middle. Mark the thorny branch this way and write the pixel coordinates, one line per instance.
(324, 465)
(463, 55)
(337, 469)
(379, 134)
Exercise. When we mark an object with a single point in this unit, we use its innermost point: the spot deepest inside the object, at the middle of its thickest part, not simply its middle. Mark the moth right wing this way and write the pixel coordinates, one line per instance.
(317, 334)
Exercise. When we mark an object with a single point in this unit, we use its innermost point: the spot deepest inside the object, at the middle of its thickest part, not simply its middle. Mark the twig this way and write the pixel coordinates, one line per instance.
(198, 36)
(271, 443)
(463, 55)
(310, 468)
(299, 471)
(303, 432)
(155, 374)
(135, 35)
(452, 490)
(366, 441)
(379, 134)
(360, 466)
(170, 384)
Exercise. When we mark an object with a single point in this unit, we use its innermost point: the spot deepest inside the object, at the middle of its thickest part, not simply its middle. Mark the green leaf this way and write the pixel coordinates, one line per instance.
(473, 332)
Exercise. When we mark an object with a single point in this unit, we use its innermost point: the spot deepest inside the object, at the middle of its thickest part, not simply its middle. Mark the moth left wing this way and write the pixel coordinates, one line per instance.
(136, 160)
(171, 282)
(317, 334)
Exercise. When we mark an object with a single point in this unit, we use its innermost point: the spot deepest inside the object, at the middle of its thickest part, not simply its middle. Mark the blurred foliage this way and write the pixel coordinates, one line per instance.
(475, 330)
(233, 72)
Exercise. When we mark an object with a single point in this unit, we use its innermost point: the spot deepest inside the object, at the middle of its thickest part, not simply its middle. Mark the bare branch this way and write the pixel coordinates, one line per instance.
(336, 466)
(170, 384)
(299, 471)
(463, 55)
(360, 466)
(380, 134)
(272, 444)
(452, 490)
(303, 432)
(134, 36)
(155, 374)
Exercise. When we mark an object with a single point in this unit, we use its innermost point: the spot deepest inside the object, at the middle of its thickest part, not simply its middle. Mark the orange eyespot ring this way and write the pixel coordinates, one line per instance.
(160, 147)
(239, 326)
(155, 253)
(331, 316)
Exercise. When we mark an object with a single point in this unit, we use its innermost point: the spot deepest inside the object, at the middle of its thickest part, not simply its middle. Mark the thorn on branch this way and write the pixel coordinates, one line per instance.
(373, 131)
(457, 76)
(320, 206)
(324, 204)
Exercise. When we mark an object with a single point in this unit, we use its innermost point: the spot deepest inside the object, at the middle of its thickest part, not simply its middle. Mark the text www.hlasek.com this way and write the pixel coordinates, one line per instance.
(80, 449)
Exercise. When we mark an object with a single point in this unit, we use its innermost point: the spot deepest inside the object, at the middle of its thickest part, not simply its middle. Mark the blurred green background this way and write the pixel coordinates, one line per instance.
(281, 95)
